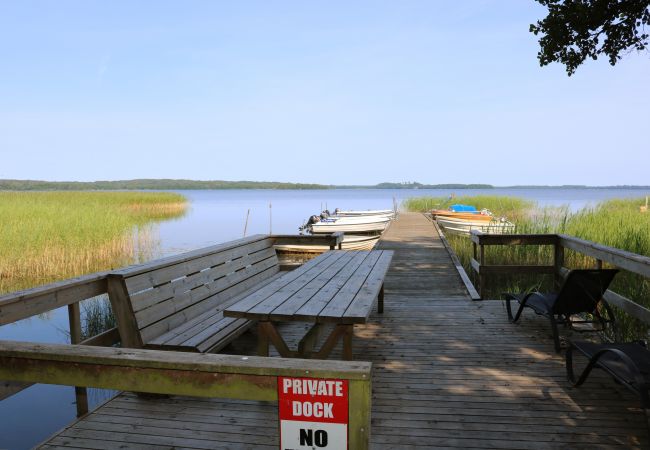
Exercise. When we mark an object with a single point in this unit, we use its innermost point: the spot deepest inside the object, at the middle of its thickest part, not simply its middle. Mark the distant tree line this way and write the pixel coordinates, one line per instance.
(164, 184)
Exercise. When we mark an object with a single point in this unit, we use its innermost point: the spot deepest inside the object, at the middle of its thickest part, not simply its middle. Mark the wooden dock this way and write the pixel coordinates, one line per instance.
(448, 372)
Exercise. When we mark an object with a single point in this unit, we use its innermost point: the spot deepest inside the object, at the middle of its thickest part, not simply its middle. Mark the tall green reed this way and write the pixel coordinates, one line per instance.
(614, 223)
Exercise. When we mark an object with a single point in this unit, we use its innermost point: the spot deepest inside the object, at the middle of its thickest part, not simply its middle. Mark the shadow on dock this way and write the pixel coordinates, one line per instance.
(447, 373)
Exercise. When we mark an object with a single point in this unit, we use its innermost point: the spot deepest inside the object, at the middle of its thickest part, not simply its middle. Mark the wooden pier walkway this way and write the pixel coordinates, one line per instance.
(448, 373)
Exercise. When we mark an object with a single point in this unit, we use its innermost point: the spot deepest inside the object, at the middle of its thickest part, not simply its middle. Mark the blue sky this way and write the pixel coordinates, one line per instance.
(327, 92)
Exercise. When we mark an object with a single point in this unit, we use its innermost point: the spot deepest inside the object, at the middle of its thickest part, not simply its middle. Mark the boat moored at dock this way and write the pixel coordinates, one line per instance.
(316, 225)
(466, 226)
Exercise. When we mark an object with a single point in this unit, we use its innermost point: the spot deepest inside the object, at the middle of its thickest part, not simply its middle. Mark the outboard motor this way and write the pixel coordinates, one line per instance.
(312, 220)
(325, 214)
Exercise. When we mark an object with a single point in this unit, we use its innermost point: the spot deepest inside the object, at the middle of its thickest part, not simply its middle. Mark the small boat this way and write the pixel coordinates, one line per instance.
(463, 212)
(465, 226)
(364, 213)
(350, 242)
(317, 225)
(478, 216)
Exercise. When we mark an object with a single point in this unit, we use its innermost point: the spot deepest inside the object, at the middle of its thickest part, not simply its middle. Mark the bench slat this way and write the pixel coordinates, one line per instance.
(150, 332)
(150, 298)
(157, 277)
(196, 297)
(186, 331)
(132, 271)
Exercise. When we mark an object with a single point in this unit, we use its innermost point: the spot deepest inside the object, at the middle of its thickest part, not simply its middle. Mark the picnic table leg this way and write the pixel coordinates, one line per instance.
(271, 335)
(307, 343)
(262, 340)
(380, 302)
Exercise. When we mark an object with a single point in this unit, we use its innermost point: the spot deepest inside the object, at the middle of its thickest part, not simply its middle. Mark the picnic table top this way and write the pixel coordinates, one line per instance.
(337, 286)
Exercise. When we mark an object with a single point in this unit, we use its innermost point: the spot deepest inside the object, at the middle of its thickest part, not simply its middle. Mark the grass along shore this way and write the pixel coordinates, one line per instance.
(48, 236)
(615, 223)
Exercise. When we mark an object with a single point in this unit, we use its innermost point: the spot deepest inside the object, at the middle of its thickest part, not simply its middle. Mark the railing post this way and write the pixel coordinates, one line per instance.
(360, 404)
(481, 276)
(558, 263)
(80, 393)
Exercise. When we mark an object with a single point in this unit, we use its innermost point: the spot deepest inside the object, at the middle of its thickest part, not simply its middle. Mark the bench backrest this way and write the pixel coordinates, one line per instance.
(153, 298)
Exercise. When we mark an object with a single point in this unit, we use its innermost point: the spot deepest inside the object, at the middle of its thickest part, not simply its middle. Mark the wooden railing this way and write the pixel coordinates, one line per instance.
(178, 373)
(32, 302)
(204, 375)
(621, 259)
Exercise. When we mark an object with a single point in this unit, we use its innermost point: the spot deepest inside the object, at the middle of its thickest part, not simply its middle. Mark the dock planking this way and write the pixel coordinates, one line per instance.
(448, 373)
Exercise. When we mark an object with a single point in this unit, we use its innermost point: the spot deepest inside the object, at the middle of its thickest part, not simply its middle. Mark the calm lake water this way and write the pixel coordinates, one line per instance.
(217, 216)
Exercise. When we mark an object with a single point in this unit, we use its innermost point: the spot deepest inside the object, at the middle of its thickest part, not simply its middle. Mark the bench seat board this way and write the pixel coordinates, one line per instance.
(196, 332)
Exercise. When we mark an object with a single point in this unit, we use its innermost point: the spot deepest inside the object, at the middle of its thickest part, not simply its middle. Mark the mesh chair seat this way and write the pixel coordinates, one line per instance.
(582, 292)
(614, 364)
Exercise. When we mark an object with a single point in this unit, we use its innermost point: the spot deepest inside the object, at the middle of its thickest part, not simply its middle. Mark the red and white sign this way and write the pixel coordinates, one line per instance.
(313, 413)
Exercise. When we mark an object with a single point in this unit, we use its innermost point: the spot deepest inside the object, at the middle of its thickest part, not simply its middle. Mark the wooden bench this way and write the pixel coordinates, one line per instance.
(177, 303)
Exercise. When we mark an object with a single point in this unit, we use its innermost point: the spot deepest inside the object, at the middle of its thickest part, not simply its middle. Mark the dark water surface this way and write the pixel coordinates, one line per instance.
(218, 216)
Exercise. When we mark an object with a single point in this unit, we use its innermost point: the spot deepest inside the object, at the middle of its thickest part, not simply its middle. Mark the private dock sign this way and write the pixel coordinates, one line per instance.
(313, 413)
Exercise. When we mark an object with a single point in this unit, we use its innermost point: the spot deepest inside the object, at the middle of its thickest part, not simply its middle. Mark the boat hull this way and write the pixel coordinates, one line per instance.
(461, 215)
(350, 242)
(349, 227)
(461, 226)
(369, 213)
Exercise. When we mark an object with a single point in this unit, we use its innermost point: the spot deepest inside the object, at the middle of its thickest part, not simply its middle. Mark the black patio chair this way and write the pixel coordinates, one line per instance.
(627, 363)
(582, 292)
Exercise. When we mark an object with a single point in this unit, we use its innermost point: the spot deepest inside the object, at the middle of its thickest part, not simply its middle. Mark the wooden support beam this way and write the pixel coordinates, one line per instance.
(513, 239)
(80, 393)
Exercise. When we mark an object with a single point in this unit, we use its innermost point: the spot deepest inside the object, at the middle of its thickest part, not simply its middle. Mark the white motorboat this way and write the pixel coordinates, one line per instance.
(364, 213)
(317, 225)
(465, 226)
(350, 242)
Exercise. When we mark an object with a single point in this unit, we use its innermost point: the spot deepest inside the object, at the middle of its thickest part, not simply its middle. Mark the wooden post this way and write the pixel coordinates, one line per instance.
(248, 213)
(558, 263)
(80, 393)
(481, 276)
(360, 401)
(599, 264)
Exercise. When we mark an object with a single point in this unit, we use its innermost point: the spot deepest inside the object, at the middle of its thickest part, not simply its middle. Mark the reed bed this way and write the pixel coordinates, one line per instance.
(48, 236)
(615, 223)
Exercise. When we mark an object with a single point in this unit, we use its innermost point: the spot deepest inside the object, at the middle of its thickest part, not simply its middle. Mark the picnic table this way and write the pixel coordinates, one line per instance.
(337, 287)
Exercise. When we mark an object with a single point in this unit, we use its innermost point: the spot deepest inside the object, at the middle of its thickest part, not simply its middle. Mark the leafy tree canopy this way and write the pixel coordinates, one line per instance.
(575, 30)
